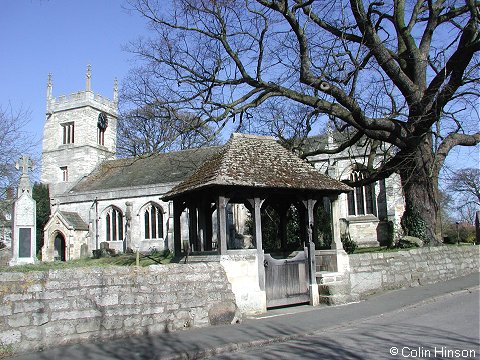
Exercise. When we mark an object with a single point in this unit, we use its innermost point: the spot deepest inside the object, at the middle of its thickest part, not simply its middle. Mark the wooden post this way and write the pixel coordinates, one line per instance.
(257, 206)
(177, 236)
(222, 225)
(312, 266)
(202, 225)
(303, 219)
(192, 227)
(205, 225)
(209, 209)
(312, 270)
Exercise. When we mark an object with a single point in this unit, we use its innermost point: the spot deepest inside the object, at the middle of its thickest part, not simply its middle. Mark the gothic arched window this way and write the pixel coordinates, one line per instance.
(362, 199)
(114, 224)
(153, 221)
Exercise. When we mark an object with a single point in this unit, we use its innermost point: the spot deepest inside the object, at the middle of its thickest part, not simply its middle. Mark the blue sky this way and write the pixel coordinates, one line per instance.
(38, 37)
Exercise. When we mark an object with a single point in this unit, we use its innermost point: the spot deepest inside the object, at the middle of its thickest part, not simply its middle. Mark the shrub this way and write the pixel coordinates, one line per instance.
(390, 234)
(349, 245)
(463, 231)
(470, 238)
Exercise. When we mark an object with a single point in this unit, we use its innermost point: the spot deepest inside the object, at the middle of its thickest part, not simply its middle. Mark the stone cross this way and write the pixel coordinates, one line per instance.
(25, 163)
(89, 77)
(115, 91)
(49, 86)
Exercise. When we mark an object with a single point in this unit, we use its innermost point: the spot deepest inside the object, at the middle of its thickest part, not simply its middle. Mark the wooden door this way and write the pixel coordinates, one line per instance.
(286, 280)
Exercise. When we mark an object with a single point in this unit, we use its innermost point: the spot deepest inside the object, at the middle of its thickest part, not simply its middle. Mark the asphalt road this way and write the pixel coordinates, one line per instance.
(445, 327)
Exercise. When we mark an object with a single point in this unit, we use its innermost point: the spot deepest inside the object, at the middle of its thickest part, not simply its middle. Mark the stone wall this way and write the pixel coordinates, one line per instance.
(374, 272)
(45, 309)
(242, 268)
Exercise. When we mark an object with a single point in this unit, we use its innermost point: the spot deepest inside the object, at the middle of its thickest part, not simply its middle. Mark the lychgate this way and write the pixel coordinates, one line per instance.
(256, 176)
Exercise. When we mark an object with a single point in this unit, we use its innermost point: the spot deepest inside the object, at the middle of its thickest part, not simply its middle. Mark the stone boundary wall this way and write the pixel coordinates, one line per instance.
(56, 307)
(374, 272)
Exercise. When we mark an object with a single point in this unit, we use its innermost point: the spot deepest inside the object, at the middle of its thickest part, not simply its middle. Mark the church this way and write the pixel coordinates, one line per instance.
(97, 199)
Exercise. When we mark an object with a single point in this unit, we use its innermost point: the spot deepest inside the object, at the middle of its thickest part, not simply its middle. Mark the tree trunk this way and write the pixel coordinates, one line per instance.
(419, 177)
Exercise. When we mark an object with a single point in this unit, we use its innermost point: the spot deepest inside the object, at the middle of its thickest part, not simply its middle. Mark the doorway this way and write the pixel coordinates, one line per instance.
(59, 247)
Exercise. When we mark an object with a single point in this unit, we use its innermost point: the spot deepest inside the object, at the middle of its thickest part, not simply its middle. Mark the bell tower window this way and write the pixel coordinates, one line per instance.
(68, 132)
(64, 171)
(102, 124)
(101, 136)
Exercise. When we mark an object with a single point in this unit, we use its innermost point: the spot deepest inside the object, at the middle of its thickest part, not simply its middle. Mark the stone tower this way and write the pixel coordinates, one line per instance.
(79, 132)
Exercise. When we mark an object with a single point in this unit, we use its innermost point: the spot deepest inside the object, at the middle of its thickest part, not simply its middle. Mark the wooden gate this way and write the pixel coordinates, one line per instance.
(286, 280)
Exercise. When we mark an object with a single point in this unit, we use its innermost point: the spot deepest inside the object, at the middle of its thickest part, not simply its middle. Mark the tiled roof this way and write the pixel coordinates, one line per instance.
(145, 170)
(255, 161)
(74, 220)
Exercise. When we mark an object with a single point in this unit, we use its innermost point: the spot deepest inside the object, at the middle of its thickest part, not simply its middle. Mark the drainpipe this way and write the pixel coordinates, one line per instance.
(96, 224)
(95, 204)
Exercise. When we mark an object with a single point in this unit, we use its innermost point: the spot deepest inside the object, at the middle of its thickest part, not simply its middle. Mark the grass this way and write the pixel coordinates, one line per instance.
(374, 249)
(117, 260)
(149, 259)
(6, 350)
(370, 249)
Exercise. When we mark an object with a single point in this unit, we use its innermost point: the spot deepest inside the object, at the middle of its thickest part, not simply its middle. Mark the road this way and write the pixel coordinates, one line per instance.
(446, 327)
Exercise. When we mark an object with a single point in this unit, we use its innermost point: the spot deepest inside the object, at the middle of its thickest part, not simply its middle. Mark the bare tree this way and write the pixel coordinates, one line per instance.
(464, 187)
(400, 72)
(14, 141)
(155, 129)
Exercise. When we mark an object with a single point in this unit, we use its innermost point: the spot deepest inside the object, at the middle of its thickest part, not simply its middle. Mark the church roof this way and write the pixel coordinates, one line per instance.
(74, 220)
(257, 161)
(144, 170)
(321, 142)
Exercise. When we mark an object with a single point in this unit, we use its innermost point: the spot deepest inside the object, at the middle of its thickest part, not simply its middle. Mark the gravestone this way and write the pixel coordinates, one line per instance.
(84, 251)
(24, 239)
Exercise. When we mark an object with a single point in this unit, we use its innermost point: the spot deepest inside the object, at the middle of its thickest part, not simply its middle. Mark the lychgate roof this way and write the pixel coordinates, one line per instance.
(260, 162)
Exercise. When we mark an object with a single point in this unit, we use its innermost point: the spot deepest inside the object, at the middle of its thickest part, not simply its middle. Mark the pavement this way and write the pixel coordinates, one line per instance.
(275, 326)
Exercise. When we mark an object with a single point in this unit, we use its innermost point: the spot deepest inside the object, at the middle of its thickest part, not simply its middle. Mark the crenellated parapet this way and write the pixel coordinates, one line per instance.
(80, 99)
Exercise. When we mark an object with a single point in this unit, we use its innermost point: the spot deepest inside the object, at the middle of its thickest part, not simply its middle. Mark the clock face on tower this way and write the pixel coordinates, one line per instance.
(102, 121)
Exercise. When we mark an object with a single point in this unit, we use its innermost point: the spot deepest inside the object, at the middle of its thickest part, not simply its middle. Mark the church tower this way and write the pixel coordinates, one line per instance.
(79, 132)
